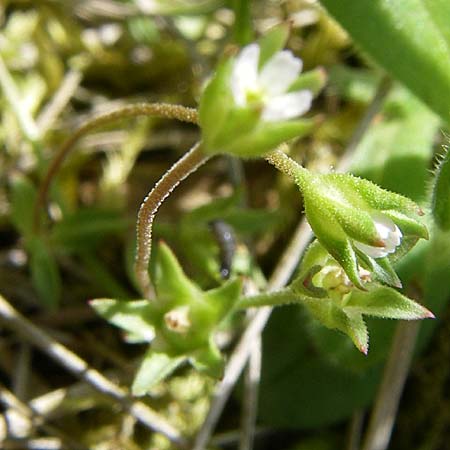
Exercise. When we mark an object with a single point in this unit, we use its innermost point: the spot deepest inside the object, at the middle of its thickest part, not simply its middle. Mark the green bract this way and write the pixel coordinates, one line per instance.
(180, 322)
(360, 224)
(247, 106)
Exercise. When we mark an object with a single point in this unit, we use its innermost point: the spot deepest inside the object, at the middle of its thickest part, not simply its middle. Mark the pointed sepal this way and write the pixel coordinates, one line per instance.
(385, 302)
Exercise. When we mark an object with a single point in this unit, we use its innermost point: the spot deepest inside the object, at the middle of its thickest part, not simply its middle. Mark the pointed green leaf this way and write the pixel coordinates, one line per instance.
(135, 317)
(388, 31)
(22, 204)
(349, 322)
(45, 273)
(86, 228)
(440, 200)
(386, 302)
(154, 368)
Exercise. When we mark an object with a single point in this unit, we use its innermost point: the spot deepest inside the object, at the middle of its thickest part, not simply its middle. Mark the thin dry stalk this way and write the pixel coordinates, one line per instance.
(13, 320)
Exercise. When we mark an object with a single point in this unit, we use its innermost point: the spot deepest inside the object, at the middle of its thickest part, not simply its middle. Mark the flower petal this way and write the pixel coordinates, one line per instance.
(373, 252)
(279, 73)
(245, 73)
(287, 106)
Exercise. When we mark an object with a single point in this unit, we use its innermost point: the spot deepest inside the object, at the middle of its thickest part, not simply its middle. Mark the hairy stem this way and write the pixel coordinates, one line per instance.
(284, 163)
(165, 110)
(190, 162)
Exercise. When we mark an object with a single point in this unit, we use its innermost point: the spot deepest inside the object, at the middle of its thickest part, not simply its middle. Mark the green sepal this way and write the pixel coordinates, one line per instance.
(154, 368)
(440, 194)
(408, 225)
(374, 196)
(239, 122)
(381, 268)
(223, 298)
(272, 42)
(330, 234)
(267, 136)
(215, 104)
(136, 317)
(209, 361)
(385, 302)
(314, 81)
(356, 223)
(332, 316)
(171, 283)
(315, 257)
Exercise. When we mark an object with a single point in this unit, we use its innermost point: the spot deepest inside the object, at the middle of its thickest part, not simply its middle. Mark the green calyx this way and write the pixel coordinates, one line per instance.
(180, 323)
(360, 224)
(238, 127)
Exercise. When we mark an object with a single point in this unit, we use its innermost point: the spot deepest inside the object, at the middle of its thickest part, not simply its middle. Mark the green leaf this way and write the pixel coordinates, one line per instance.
(349, 322)
(23, 198)
(386, 302)
(440, 200)
(44, 273)
(388, 31)
(86, 228)
(154, 368)
(135, 317)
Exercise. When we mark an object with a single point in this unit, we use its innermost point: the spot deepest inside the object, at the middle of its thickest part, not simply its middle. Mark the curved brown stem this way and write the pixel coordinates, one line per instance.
(142, 109)
(190, 162)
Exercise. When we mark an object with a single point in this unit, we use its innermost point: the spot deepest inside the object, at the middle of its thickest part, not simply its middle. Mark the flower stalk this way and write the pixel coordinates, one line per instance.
(189, 163)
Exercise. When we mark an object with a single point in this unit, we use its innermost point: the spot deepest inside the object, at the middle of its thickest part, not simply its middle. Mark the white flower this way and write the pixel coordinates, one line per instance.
(269, 84)
(389, 234)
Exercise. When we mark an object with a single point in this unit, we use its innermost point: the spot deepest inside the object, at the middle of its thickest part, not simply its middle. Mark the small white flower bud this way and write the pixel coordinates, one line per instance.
(390, 235)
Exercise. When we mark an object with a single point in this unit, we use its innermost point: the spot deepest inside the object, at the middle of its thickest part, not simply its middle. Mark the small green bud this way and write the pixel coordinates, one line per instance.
(360, 223)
